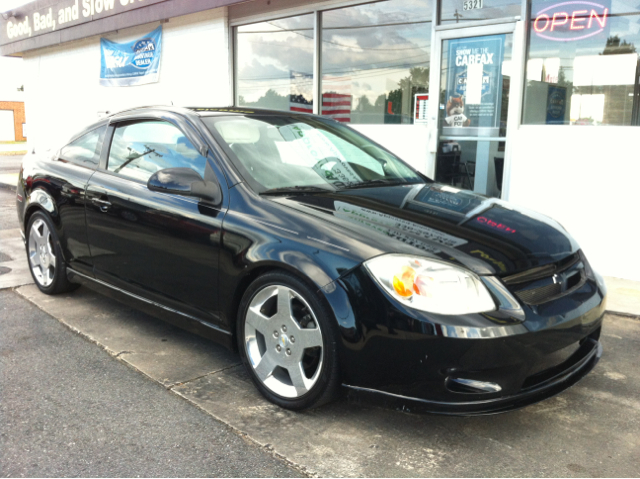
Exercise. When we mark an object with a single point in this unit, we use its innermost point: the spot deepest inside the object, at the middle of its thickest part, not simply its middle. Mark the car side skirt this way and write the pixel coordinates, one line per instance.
(169, 315)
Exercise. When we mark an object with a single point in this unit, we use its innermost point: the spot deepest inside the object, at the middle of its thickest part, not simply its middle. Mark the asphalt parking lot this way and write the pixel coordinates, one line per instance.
(591, 430)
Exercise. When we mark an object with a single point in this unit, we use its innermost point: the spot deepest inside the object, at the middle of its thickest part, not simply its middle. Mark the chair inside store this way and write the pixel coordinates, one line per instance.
(451, 170)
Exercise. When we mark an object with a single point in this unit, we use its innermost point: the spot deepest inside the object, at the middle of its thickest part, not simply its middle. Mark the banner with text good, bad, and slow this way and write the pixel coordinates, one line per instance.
(131, 63)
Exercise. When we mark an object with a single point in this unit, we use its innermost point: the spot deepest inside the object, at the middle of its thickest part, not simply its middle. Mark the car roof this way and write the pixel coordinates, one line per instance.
(207, 111)
(235, 110)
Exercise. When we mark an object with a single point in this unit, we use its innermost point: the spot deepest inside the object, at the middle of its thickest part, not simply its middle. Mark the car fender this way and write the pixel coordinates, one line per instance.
(40, 199)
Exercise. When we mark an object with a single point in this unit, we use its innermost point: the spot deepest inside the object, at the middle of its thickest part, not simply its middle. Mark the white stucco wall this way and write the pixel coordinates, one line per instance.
(587, 178)
(12, 77)
(62, 83)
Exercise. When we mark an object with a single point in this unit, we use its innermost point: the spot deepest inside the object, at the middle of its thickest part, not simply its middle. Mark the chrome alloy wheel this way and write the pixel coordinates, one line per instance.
(283, 341)
(42, 258)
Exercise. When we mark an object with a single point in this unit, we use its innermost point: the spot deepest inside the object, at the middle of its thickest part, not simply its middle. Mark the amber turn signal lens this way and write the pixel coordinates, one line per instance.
(403, 283)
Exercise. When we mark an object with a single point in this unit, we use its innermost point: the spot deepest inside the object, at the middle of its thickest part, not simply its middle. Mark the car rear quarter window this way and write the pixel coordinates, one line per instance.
(138, 150)
(85, 151)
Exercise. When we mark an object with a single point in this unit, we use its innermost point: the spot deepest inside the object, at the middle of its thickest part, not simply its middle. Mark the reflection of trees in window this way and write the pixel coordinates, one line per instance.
(616, 46)
(397, 106)
(271, 100)
(401, 99)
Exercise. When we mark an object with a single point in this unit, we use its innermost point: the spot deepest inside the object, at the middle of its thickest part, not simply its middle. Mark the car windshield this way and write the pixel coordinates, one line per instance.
(305, 153)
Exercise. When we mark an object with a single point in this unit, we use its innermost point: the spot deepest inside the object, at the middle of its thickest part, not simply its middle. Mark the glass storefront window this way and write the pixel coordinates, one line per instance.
(275, 64)
(583, 63)
(461, 11)
(375, 59)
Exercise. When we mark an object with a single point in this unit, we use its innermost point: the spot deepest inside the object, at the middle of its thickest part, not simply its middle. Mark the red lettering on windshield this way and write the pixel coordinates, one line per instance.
(493, 224)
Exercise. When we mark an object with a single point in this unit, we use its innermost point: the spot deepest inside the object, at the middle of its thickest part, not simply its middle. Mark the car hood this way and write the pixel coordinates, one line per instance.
(486, 235)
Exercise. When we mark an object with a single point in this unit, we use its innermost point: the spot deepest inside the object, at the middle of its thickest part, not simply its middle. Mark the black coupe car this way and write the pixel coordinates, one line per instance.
(322, 257)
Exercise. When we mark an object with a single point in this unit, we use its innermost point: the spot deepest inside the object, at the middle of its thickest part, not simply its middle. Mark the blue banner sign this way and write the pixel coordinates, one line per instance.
(474, 82)
(132, 63)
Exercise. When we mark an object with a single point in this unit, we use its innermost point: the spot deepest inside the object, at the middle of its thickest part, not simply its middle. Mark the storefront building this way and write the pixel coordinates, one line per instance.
(533, 101)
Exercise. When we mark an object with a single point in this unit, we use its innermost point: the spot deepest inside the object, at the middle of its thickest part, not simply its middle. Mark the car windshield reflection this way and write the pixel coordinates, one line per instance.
(274, 152)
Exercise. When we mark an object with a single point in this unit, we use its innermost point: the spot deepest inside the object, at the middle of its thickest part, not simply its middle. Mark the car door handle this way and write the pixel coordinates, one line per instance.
(103, 204)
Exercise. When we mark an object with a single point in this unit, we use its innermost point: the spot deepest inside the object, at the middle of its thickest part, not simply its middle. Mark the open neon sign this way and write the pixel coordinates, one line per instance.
(571, 21)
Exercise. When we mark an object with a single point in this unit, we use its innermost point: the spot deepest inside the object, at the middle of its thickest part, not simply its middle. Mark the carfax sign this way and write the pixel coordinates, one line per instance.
(132, 63)
(474, 80)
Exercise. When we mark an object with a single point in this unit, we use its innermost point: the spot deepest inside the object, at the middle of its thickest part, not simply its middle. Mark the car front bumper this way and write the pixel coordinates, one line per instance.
(564, 379)
(466, 365)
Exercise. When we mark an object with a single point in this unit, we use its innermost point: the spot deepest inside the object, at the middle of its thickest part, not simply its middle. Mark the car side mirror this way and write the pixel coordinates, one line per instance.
(185, 182)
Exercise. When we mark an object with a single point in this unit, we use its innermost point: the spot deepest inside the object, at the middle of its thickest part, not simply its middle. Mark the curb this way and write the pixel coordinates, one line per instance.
(5, 186)
(623, 315)
(13, 153)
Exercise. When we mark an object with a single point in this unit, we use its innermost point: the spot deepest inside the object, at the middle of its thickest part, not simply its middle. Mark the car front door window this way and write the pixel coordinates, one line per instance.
(138, 150)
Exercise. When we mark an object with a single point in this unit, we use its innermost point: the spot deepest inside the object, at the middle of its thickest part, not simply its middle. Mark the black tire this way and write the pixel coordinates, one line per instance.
(327, 383)
(59, 282)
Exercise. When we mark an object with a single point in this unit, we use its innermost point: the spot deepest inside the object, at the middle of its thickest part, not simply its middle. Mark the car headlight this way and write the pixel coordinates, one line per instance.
(431, 285)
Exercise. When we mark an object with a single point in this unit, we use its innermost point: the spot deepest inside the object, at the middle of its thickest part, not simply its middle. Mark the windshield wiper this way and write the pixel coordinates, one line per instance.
(380, 182)
(296, 190)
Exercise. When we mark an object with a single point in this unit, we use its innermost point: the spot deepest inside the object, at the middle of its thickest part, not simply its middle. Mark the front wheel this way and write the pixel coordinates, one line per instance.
(287, 342)
(45, 256)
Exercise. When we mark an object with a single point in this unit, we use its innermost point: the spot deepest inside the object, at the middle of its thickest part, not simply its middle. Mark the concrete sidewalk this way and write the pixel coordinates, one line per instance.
(623, 296)
(9, 181)
(9, 169)
(13, 148)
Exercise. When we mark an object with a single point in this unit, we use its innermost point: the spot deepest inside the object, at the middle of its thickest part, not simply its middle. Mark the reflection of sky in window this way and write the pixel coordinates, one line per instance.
(375, 44)
(372, 47)
(269, 51)
(453, 10)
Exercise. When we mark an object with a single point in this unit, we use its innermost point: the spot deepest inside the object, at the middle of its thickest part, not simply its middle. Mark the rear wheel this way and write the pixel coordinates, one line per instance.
(287, 342)
(45, 256)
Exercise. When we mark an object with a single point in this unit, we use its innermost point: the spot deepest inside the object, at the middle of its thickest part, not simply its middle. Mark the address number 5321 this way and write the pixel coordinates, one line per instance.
(472, 4)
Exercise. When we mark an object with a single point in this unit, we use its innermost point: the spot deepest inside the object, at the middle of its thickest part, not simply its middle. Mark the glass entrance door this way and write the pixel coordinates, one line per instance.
(475, 83)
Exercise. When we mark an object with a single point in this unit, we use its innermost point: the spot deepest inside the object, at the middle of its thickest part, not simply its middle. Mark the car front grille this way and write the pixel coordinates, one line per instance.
(540, 295)
(549, 282)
